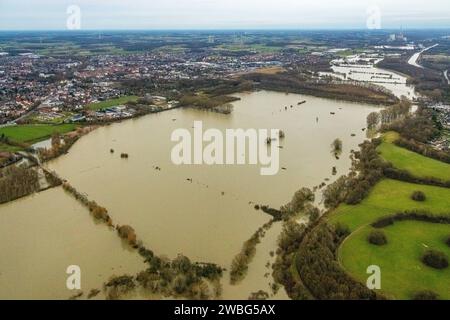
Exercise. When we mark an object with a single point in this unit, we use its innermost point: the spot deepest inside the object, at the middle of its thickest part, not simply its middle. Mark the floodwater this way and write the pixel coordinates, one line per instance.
(368, 72)
(44, 234)
(205, 212)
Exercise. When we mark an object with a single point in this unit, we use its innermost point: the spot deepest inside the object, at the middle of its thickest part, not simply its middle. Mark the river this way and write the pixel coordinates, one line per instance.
(207, 217)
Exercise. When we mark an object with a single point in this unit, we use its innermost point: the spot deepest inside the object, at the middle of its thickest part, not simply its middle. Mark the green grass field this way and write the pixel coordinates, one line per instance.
(111, 102)
(389, 197)
(420, 166)
(402, 272)
(34, 133)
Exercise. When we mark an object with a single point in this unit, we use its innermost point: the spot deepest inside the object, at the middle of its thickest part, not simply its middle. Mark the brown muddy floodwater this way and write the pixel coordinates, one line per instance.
(44, 234)
(207, 219)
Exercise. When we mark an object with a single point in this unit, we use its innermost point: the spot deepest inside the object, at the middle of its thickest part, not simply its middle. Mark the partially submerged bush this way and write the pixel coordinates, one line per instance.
(299, 201)
(425, 295)
(435, 259)
(418, 196)
(99, 213)
(127, 233)
(259, 295)
(116, 287)
(312, 212)
(377, 237)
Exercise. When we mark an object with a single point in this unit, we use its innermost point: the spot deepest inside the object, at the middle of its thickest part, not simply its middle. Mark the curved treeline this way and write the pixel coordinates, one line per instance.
(403, 175)
(320, 272)
(423, 216)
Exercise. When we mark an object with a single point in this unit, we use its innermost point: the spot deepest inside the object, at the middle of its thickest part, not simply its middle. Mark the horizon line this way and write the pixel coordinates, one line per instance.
(234, 29)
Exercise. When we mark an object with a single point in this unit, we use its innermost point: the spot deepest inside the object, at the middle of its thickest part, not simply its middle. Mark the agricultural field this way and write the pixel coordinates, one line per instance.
(34, 133)
(111, 102)
(420, 166)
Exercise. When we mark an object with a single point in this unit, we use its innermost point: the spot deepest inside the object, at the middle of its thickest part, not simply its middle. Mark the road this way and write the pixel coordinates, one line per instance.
(446, 76)
(413, 60)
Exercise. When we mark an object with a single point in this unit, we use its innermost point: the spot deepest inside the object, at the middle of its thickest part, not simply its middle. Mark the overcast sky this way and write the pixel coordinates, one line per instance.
(222, 14)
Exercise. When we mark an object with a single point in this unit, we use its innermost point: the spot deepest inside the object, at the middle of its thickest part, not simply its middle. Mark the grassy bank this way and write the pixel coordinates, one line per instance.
(403, 159)
(389, 197)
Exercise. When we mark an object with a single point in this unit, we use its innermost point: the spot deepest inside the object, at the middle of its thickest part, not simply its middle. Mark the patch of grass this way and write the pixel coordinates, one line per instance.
(7, 148)
(111, 102)
(418, 165)
(270, 70)
(345, 53)
(402, 271)
(389, 197)
(34, 132)
(390, 136)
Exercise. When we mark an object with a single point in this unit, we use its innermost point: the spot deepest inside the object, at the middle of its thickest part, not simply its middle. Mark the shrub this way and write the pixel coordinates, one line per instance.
(435, 259)
(341, 230)
(377, 237)
(313, 213)
(448, 241)
(383, 222)
(418, 196)
(425, 295)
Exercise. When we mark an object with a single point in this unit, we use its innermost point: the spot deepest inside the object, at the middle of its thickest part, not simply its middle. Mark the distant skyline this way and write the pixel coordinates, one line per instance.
(223, 14)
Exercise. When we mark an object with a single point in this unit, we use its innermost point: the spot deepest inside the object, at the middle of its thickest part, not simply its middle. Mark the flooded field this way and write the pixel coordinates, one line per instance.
(351, 68)
(204, 212)
(44, 234)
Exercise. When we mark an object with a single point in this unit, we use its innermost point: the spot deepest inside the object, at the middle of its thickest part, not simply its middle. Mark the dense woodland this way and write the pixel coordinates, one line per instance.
(426, 81)
(295, 83)
(320, 273)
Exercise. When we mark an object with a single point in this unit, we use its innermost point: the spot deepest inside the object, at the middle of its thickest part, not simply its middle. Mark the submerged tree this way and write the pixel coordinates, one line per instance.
(336, 148)
(299, 201)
